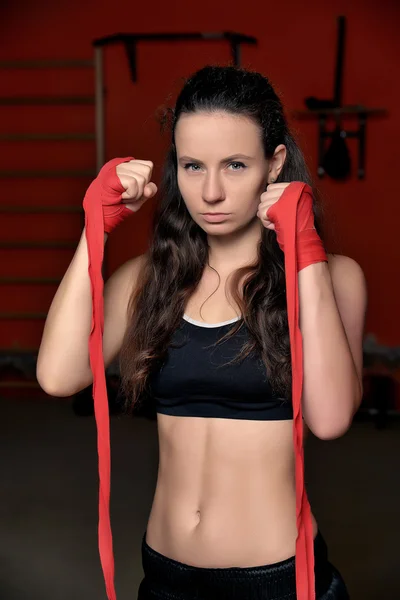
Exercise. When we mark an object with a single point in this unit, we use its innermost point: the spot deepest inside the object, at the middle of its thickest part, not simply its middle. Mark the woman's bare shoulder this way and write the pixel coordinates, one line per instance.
(346, 274)
(121, 283)
(118, 291)
(129, 269)
(343, 268)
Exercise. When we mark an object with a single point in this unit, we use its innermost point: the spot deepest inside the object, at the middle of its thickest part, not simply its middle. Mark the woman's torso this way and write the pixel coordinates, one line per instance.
(225, 493)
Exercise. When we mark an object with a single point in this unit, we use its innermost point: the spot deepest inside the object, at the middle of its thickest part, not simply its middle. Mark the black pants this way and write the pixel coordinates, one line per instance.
(168, 579)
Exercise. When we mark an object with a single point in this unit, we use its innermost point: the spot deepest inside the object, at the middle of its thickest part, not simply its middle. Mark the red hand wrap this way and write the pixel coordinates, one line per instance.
(309, 246)
(106, 190)
(294, 220)
(103, 212)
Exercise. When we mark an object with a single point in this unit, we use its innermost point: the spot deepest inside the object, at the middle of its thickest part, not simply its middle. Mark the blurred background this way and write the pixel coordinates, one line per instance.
(83, 82)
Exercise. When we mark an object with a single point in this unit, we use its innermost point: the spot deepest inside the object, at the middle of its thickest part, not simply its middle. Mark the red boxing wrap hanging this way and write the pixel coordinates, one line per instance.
(103, 211)
(293, 218)
(295, 199)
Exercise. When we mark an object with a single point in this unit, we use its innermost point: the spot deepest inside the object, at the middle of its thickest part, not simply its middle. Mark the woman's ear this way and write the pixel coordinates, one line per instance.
(276, 162)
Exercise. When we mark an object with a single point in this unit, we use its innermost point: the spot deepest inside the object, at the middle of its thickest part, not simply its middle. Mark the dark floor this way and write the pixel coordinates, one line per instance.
(48, 518)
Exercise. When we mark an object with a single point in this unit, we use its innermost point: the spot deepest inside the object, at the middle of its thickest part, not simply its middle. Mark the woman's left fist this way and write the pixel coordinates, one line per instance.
(268, 198)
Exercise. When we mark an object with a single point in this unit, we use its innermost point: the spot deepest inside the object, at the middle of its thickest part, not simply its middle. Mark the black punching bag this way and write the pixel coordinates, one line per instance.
(336, 161)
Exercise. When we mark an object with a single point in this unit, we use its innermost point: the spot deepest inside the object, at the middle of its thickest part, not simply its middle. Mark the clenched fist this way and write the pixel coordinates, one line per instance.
(135, 177)
(122, 186)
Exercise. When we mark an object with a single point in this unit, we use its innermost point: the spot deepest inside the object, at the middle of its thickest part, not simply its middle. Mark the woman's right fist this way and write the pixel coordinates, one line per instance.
(135, 177)
(122, 186)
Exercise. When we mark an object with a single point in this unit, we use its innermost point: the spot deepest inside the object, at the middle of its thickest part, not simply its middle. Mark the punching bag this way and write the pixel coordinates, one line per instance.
(336, 162)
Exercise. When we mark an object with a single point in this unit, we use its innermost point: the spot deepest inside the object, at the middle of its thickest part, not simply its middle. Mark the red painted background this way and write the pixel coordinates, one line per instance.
(296, 50)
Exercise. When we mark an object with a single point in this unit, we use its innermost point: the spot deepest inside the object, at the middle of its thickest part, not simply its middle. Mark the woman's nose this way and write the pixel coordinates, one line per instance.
(212, 189)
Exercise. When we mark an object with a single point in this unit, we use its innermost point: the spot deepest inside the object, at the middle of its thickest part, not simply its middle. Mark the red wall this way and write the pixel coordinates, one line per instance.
(296, 50)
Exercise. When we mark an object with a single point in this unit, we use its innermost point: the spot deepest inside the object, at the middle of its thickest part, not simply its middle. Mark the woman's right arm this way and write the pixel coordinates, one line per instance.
(63, 366)
(123, 185)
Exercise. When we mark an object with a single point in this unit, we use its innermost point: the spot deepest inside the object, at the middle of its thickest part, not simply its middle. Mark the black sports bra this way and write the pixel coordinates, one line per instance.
(194, 381)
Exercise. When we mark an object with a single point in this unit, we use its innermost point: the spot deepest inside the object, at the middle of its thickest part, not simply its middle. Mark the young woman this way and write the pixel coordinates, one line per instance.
(200, 325)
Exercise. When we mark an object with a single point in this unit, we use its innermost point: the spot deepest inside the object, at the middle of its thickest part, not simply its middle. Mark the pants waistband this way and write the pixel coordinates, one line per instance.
(276, 580)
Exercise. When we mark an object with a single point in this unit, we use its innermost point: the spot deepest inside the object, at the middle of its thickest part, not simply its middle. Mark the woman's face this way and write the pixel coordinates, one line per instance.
(221, 168)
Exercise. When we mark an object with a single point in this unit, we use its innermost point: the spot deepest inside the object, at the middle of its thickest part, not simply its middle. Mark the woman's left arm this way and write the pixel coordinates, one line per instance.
(333, 301)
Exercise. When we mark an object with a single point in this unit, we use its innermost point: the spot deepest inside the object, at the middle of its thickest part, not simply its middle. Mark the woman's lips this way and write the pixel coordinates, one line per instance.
(215, 217)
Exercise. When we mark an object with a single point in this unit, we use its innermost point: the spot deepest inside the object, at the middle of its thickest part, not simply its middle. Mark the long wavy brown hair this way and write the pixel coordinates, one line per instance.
(178, 248)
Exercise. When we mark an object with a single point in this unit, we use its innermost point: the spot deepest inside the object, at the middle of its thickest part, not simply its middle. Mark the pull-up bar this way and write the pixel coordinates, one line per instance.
(130, 41)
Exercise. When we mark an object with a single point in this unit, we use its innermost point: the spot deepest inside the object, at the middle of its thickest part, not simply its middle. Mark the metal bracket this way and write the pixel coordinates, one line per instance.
(130, 41)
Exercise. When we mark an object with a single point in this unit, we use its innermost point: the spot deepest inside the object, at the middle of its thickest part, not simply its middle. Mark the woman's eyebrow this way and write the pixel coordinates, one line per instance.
(224, 160)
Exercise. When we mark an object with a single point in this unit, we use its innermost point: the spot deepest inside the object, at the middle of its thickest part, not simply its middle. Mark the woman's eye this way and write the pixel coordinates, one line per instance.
(240, 164)
(188, 166)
